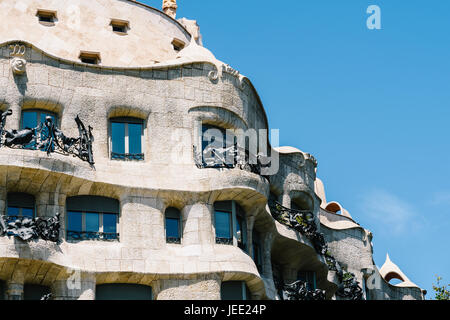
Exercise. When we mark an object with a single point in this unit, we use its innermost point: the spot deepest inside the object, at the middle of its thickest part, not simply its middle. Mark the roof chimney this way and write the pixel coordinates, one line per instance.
(170, 8)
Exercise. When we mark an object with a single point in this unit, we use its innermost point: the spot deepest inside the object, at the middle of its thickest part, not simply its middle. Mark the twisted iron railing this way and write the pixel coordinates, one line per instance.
(303, 222)
(92, 235)
(228, 158)
(27, 228)
(47, 137)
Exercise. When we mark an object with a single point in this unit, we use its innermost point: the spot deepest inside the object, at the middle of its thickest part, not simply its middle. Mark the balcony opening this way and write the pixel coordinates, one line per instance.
(123, 291)
(234, 290)
(173, 225)
(35, 291)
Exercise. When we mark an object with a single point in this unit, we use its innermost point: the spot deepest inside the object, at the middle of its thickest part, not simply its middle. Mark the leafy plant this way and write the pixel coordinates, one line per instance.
(441, 292)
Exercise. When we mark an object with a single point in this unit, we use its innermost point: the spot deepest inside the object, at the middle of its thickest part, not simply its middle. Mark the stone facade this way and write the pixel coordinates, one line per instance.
(172, 94)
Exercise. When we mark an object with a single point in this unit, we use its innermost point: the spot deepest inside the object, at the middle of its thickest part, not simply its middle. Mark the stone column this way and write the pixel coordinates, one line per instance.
(14, 290)
(267, 255)
(250, 224)
(78, 286)
(198, 224)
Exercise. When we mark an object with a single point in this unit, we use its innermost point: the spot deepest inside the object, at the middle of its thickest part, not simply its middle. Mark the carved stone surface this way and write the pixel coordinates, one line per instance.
(47, 137)
(27, 228)
(170, 8)
(18, 63)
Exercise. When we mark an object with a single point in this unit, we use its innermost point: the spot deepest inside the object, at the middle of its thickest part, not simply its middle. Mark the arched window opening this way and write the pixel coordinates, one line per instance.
(334, 207)
(92, 218)
(234, 290)
(393, 278)
(123, 291)
(173, 225)
(127, 138)
(20, 205)
(223, 214)
(35, 291)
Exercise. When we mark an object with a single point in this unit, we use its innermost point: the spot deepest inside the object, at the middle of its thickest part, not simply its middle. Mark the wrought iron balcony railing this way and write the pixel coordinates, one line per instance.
(175, 240)
(127, 156)
(300, 290)
(228, 241)
(303, 222)
(47, 137)
(91, 235)
(27, 228)
(228, 158)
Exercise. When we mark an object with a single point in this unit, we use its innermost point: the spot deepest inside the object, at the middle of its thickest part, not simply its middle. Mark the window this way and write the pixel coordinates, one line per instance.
(34, 291)
(214, 147)
(257, 250)
(92, 218)
(178, 45)
(127, 135)
(309, 277)
(120, 26)
(229, 223)
(46, 17)
(32, 119)
(173, 225)
(223, 222)
(234, 290)
(2, 290)
(122, 291)
(90, 57)
(20, 205)
(241, 228)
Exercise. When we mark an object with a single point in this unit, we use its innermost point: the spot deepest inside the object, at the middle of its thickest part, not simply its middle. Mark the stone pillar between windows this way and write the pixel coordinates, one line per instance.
(198, 224)
(267, 255)
(204, 287)
(78, 286)
(3, 195)
(14, 290)
(250, 223)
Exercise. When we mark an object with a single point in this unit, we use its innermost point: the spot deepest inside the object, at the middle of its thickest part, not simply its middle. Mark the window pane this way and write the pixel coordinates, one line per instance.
(134, 137)
(109, 223)
(118, 137)
(74, 222)
(27, 212)
(29, 119)
(92, 223)
(13, 211)
(172, 228)
(223, 225)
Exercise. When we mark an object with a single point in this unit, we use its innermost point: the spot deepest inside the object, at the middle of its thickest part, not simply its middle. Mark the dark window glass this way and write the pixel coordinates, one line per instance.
(223, 224)
(91, 217)
(119, 291)
(32, 119)
(110, 223)
(92, 222)
(118, 137)
(135, 137)
(126, 138)
(75, 221)
(34, 291)
(29, 119)
(233, 290)
(20, 204)
(117, 28)
(2, 290)
(172, 228)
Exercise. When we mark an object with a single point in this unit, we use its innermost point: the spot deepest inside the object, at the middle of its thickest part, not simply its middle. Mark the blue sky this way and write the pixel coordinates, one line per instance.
(371, 105)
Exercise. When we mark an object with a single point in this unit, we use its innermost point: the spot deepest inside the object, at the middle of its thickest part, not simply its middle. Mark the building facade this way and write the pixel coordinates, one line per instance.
(113, 183)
